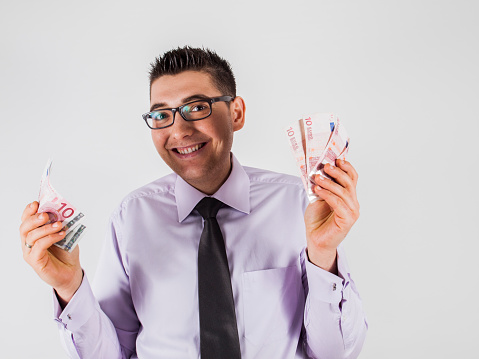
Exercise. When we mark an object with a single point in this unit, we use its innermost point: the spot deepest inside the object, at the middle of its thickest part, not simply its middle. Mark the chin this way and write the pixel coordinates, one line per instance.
(191, 174)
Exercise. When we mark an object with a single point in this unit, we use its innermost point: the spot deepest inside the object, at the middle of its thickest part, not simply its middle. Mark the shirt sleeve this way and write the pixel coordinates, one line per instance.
(105, 326)
(84, 327)
(334, 320)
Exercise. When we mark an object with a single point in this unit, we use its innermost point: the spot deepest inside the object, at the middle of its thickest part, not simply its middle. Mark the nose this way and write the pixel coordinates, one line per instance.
(180, 127)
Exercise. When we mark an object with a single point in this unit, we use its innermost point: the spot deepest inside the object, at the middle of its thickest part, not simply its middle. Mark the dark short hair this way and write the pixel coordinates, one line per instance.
(187, 58)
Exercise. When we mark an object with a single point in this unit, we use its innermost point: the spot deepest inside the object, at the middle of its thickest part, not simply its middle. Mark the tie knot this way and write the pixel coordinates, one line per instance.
(208, 207)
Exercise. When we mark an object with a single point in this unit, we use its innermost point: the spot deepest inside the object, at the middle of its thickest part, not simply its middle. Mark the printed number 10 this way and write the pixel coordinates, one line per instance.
(67, 212)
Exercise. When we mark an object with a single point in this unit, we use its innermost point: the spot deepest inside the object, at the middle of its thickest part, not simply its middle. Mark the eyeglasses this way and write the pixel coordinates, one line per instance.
(191, 111)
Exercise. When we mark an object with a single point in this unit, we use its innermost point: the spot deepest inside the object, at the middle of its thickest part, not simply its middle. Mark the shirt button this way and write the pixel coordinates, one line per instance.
(334, 288)
(69, 316)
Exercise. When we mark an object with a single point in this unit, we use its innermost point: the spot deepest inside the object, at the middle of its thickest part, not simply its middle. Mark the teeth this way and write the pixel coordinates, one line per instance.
(185, 151)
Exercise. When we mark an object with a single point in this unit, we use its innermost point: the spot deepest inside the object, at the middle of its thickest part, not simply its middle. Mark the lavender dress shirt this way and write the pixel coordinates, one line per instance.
(146, 300)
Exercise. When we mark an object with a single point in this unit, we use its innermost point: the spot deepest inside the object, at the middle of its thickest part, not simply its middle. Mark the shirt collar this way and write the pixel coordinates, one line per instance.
(234, 192)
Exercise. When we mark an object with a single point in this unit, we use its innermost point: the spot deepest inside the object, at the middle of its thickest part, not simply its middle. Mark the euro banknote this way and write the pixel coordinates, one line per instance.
(60, 210)
(337, 147)
(315, 141)
(298, 145)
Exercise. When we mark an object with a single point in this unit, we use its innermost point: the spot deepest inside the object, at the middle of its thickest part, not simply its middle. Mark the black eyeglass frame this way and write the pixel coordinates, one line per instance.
(178, 109)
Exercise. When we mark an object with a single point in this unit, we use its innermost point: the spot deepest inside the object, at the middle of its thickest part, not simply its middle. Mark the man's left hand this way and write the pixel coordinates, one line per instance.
(330, 218)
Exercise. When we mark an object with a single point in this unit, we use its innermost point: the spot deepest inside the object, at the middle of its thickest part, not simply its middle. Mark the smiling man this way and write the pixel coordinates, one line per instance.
(214, 260)
(198, 151)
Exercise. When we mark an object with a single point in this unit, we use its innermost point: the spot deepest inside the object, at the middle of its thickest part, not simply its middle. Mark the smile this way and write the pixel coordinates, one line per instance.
(187, 150)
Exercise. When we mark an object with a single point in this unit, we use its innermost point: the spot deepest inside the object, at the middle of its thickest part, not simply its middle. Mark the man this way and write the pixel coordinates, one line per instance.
(287, 289)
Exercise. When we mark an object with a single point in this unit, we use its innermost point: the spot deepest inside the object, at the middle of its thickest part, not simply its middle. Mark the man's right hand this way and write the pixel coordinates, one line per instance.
(54, 265)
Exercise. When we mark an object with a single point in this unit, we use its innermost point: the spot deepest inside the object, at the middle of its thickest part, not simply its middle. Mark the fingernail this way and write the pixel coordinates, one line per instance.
(342, 162)
(55, 225)
(31, 205)
(40, 216)
(321, 178)
(61, 233)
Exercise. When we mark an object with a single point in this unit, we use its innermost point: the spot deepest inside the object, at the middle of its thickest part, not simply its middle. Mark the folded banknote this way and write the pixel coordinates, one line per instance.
(315, 141)
(59, 209)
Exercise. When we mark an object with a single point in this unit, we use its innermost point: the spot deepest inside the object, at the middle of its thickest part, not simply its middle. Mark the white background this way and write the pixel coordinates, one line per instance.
(403, 76)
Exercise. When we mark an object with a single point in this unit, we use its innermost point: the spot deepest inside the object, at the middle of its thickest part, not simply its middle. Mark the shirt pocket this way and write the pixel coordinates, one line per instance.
(273, 304)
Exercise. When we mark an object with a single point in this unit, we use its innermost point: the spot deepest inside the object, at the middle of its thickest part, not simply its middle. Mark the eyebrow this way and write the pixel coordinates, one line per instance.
(194, 97)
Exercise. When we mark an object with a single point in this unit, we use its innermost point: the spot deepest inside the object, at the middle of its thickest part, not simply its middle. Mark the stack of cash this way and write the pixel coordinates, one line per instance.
(59, 209)
(317, 140)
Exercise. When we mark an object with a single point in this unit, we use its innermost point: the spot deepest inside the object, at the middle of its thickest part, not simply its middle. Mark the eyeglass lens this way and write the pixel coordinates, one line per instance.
(193, 111)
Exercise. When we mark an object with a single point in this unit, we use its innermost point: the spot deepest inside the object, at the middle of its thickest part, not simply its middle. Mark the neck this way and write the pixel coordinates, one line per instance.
(209, 187)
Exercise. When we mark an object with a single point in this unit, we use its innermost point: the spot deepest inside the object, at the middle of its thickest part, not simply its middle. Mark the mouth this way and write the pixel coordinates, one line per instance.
(189, 149)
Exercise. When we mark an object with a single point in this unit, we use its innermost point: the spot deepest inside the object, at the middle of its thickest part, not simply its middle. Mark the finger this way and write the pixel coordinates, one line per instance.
(34, 235)
(340, 176)
(350, 214)
(335, 202)
(33, 222)
(346, 195)
(349, 169)
(42, 244)
(30, 210)
(39, 253)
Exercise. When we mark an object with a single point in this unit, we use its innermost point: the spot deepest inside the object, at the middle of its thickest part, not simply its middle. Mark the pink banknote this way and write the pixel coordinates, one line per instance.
(317, 131)
(337, 147)
(297, 145)
(316, 140)
(59, 209)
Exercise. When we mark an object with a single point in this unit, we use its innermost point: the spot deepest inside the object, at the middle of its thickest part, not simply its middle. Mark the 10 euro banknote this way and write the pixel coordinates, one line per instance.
(59, 209)
(315, 141)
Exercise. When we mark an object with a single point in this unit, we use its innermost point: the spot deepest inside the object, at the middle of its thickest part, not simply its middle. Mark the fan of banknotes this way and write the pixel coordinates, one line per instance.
(315, 141)
(59, 209)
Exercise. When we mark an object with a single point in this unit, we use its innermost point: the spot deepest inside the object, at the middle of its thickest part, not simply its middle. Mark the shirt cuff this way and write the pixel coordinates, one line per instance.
(324, 285)
(80, 308)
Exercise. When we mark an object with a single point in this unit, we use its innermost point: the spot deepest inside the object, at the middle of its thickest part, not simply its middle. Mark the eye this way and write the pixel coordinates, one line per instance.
(160, 115)
(195, 107)
(196, 110)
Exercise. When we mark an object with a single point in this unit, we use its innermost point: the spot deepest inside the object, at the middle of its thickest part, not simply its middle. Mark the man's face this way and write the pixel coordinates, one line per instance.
(198, 151)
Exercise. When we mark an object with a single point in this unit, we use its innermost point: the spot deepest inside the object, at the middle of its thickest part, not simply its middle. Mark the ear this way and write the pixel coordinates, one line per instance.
(237, 109)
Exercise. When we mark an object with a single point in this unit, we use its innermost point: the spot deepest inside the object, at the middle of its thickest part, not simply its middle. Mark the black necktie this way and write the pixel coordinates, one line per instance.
(218, 329)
